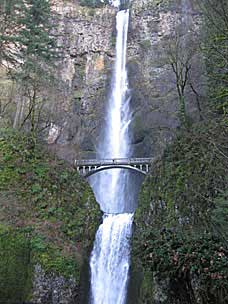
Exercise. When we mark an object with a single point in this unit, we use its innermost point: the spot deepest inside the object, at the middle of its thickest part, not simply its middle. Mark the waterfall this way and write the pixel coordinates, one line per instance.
(110, 258)
(114, 141)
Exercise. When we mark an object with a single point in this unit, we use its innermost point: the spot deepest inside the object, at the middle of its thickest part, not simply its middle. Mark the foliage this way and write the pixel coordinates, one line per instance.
(145, 44)
(192, 174)
(220, 212)
(28, 49)
(181, 223)
(41, 194)
(38, 53)
(38, 45)
(52, 259)
(15, 267)
(9, 24)
(93, 3)
(215, 51)
(20, 251)
(185, 258)
(26, 31)
(100, 3)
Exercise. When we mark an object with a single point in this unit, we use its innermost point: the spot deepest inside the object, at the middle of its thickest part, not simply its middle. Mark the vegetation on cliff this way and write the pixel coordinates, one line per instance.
(181, 224)
(93, 3)
(48, 215)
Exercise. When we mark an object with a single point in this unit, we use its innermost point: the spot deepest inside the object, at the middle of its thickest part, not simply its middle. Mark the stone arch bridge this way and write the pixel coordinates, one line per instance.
(88, 167)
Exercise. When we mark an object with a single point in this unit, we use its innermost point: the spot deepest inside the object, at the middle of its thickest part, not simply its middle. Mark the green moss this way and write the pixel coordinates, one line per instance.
(48, 199)
(145, 44)
(15, 266)
(147, 291)
(189, 176)
(181, 220)
(93, 3)
(52, 259)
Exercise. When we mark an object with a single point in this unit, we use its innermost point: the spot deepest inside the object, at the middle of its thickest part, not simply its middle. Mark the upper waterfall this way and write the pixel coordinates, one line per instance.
(119, 118)
(115, 138)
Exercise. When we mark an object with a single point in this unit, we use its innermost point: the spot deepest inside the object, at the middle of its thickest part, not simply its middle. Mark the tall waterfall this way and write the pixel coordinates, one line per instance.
(110, 257)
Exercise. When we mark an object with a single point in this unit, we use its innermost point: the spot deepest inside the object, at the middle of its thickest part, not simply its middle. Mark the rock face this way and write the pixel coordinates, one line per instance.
(87, 37)
(159, 31)
(53, 289)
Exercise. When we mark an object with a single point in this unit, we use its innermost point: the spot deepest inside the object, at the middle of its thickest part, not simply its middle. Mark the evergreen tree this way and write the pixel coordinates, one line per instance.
(38, 45)
(34, 50)
(9, 28)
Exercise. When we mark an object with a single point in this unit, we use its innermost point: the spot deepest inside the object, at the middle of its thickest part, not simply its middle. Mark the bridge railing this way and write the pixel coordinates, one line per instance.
(111, 161)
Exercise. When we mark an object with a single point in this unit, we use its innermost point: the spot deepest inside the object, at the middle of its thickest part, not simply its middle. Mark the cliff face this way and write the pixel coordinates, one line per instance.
(87, 37)
(160, 32)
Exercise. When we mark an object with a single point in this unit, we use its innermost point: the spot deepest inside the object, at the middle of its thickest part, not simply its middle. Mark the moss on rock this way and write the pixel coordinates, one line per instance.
(45, 200)
(181, 230)
(15, 266)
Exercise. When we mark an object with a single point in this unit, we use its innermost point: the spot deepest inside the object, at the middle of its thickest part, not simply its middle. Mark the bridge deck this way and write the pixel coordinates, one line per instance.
(113, 161)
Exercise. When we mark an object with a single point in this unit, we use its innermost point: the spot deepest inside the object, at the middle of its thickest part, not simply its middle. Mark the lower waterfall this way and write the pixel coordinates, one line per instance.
(109, 262)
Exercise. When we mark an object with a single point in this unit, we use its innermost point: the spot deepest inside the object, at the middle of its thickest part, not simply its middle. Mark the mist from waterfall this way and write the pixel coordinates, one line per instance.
(110, 258)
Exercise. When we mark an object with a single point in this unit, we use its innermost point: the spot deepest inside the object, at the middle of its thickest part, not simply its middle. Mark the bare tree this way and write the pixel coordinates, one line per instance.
(180, 56)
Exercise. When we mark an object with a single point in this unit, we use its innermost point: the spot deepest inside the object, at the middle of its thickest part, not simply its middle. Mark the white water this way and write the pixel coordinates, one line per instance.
(109, 186)
(110, 258)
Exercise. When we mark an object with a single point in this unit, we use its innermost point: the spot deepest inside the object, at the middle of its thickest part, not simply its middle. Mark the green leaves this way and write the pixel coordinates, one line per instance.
(93, 3)
(215, 53)
(27, 24)
(194, 167)
(176, 256)
(181, 223)
(48, 201)
(220, 214)
(36, 188)
(15, 280)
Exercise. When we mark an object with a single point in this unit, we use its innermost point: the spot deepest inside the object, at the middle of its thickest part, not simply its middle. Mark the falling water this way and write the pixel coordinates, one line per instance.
(110, 260)
(110, 257)
(115, 140)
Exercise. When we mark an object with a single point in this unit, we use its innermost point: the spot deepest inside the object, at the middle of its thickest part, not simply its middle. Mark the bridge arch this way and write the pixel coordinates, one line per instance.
(88, 167)
(103, 168)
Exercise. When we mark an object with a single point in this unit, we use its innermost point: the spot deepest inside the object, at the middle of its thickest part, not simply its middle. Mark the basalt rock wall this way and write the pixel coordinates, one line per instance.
(159, 32)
